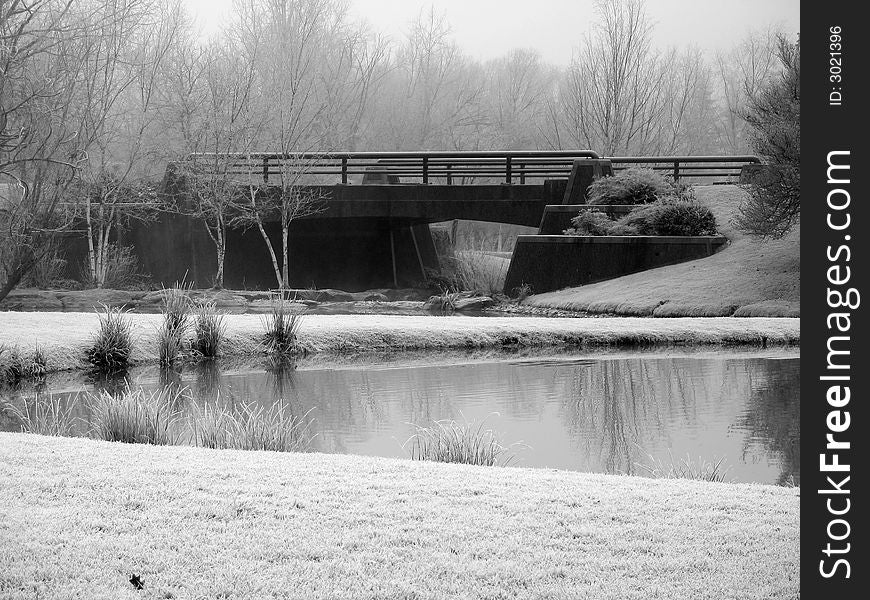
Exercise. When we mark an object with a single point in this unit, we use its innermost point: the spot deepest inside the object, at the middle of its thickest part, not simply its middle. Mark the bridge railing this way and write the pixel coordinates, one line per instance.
(453, 168)
(705, 169)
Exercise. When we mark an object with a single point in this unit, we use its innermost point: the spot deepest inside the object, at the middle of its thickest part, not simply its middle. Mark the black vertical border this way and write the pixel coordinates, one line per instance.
(827, 128)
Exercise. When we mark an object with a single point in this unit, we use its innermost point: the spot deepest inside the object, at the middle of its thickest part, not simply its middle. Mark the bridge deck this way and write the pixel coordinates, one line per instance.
(514, 204)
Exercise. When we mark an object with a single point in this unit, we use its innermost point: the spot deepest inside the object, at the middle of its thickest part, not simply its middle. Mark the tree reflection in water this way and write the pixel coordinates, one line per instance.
(584, 413)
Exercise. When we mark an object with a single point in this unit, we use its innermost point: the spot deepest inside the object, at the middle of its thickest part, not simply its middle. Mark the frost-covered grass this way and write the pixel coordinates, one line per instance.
(748, 278)
(63, 337)
(79, 517)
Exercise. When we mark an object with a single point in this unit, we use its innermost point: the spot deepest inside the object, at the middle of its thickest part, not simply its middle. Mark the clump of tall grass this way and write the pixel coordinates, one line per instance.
(176, 306)
(176, 311)
(170, 344)
(113, 342)
(687, 468)
(136, 416)
(481, 272)
(282, 328)
(15, 365)
(208, 330)
(46, 416)
(251, 427)
(453, 442)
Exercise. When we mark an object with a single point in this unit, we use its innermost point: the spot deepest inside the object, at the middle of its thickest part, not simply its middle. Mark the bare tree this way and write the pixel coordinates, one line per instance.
(289, 201)
(740, 73)
(121, 74)
(519, 83)
(47, 119)
(614, 99)
(213, 182)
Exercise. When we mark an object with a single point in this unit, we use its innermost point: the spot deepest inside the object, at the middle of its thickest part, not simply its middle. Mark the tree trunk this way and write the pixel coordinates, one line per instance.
(272, 255)
(92, 256)
(11, 281)
(219, 275)
(221, 255)
(23, 263)
(267, 241)
(285, 272)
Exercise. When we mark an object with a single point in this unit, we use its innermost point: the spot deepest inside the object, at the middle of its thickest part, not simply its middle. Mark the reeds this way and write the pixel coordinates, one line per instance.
(453, 442)
(687, 468)
(481, 272)
(251, 427)
(208, 330)
(15, 365)
(46, 416)
(136, 416)
(113, 342)
(282, 327)
(176, 322)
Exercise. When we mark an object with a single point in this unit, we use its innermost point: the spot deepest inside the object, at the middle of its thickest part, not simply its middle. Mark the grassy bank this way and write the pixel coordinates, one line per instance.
(79, 517)
(63, 337)
(749, 277)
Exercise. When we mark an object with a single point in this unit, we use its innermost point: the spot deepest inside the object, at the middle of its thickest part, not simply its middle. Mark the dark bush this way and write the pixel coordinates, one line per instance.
(676, 218)
(664, 217)
(630, 186)
(684, 218)
(590, 222)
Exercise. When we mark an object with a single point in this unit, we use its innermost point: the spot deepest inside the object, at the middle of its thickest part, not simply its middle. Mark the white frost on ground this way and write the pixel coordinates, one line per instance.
(79, 516)
(65, 336)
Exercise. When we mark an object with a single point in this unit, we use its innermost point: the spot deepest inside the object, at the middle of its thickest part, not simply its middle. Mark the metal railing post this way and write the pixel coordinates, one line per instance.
(676, 170)
(425, 169)
(449, 176)
(507, 170)
(522, 174)
(265, 169)
(344, 170)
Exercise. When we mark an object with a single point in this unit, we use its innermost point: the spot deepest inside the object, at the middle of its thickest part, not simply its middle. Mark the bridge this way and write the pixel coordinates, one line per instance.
(373, 229)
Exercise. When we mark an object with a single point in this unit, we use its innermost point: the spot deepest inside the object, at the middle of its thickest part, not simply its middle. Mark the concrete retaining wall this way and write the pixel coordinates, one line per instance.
(552, 262)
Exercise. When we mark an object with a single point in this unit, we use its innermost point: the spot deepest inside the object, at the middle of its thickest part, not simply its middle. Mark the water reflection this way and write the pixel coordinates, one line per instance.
(606, 415)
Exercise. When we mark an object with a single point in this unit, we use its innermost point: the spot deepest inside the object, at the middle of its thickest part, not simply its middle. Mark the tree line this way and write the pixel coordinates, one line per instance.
(98, 96)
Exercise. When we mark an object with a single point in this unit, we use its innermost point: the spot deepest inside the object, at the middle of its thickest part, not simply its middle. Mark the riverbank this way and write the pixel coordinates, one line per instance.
(80, 516)
(64, 337)
(750, 277)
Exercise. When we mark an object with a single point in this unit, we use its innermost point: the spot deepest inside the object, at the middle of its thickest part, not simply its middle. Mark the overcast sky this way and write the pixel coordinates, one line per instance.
(489, 28)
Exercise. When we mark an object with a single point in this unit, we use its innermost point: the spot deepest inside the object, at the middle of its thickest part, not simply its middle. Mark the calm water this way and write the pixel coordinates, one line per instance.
(607, 415)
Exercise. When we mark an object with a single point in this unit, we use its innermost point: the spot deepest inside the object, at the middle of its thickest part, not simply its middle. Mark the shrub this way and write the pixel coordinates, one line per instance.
(663, 217)
(630, 186)
(590, 222)
(452, 442)
(208, 330)
(684, 218)
(123, 271)
(113, 342)
(136, 416)
(773, 113)
(282, 326)
(48, 271)
(252, 427)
